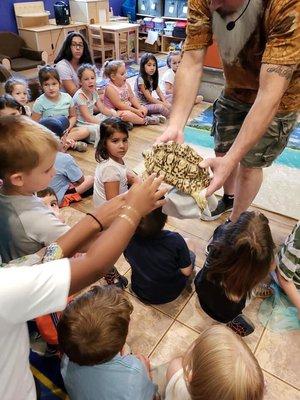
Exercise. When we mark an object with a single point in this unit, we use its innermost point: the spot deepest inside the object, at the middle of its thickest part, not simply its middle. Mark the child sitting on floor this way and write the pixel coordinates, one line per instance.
(86, 99)
(59, 108)
(28, 292)
(160, 260)
(69, 182)
(119, 96)
(10, 106)
(240, 255)
(218, 365)
(111, 175)
(28, 224)
(18, 89)
(147, 83)
(92, 332)
(287, 263)
(168, 79)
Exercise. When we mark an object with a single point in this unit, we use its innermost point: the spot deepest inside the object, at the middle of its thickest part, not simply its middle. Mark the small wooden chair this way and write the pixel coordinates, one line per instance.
(97, 44)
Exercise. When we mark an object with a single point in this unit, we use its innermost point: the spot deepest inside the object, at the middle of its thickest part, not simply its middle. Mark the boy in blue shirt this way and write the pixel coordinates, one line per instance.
(92, 333)
(160, 260)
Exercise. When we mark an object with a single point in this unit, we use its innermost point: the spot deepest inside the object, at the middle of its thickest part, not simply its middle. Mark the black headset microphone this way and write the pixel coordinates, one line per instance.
(231, 24)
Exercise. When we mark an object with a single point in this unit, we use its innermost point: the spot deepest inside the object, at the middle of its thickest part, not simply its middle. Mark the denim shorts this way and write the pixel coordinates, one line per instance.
(228, 118)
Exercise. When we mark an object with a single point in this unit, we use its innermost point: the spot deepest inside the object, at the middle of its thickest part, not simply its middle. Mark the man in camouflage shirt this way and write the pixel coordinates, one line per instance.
(257, 110)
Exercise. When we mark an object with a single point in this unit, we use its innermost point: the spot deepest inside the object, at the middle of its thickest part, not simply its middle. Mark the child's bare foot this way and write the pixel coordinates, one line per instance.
(199, 99)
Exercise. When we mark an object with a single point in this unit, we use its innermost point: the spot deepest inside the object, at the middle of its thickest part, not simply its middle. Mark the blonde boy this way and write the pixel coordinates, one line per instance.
(92, 333)
(27, 156)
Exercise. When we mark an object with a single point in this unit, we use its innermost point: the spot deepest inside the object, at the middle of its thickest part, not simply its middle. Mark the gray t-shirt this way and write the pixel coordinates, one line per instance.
(27, 226)
(67, 72)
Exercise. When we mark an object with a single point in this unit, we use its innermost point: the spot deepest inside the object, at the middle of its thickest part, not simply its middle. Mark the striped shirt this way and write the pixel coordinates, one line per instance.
(288, 257)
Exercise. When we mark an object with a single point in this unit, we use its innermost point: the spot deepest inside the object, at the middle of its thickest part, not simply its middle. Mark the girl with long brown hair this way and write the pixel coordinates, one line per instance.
(240, 255)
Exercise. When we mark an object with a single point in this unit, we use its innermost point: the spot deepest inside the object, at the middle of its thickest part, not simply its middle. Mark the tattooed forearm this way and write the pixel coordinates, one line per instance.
(282, 70)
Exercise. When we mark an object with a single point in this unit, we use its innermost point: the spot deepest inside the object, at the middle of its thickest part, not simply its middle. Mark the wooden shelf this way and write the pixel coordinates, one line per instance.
(171, 18)
(173, 37)
(146, 33)
(146, 15)
(175, 19)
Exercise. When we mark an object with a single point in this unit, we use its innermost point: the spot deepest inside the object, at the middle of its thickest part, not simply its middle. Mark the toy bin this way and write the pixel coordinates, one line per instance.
(143, 7)
(182, 8)
(170, 8)
(159, 24)
(156, 8)
(149, 24)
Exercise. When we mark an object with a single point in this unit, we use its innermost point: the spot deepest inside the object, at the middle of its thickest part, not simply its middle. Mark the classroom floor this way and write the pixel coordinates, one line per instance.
(163, 332)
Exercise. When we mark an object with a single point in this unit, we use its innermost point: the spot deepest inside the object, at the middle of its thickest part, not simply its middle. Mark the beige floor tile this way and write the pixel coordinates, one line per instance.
(173, 307)
(193, 316)
(278, 390)
(279, 354)
(147, 327)
(122, 265)
(197, 245)
(175, 343)
(251, 311)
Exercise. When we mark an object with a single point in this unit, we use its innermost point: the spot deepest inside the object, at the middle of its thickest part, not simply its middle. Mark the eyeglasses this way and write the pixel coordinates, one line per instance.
(77, 45)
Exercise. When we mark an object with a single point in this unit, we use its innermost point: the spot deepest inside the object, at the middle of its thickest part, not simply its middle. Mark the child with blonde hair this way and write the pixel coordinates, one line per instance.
(146, 83)
(28, 224)
(218, 365)
(168, 78)
(240, 255)
(18, 89)
(119, 96)
(92, 333)
(86, 99)
(56, 111)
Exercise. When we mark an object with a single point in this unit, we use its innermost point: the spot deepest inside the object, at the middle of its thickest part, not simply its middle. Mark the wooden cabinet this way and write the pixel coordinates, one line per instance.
(49, 38)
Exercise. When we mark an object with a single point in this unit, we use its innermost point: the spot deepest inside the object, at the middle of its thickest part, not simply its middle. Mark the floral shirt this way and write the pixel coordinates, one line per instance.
(276, 40)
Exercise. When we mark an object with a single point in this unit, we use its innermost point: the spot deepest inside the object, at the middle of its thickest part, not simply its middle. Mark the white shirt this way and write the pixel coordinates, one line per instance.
(108, 171)
(168, 77)
(26, 293)
(176, 388)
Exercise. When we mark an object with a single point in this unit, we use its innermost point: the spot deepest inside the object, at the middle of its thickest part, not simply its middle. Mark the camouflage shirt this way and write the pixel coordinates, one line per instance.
(276, 40)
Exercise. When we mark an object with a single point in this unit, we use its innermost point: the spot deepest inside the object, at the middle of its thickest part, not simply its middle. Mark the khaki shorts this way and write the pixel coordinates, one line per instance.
(229, 116)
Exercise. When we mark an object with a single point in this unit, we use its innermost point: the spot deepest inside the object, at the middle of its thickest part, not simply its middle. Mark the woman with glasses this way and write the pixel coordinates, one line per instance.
(73, 53)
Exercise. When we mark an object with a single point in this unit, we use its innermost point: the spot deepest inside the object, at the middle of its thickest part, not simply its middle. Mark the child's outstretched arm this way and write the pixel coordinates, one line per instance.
(140, 199)
(290, 289)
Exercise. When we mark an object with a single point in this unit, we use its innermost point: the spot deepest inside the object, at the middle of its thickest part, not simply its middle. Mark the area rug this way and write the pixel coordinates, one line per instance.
(47, 373)
(281, 185)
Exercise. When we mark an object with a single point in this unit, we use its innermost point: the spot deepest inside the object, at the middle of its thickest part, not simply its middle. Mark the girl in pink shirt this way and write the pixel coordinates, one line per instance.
(119, 96)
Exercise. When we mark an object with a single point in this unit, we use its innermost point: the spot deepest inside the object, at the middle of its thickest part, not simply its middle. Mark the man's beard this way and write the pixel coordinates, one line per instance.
(232, 42)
